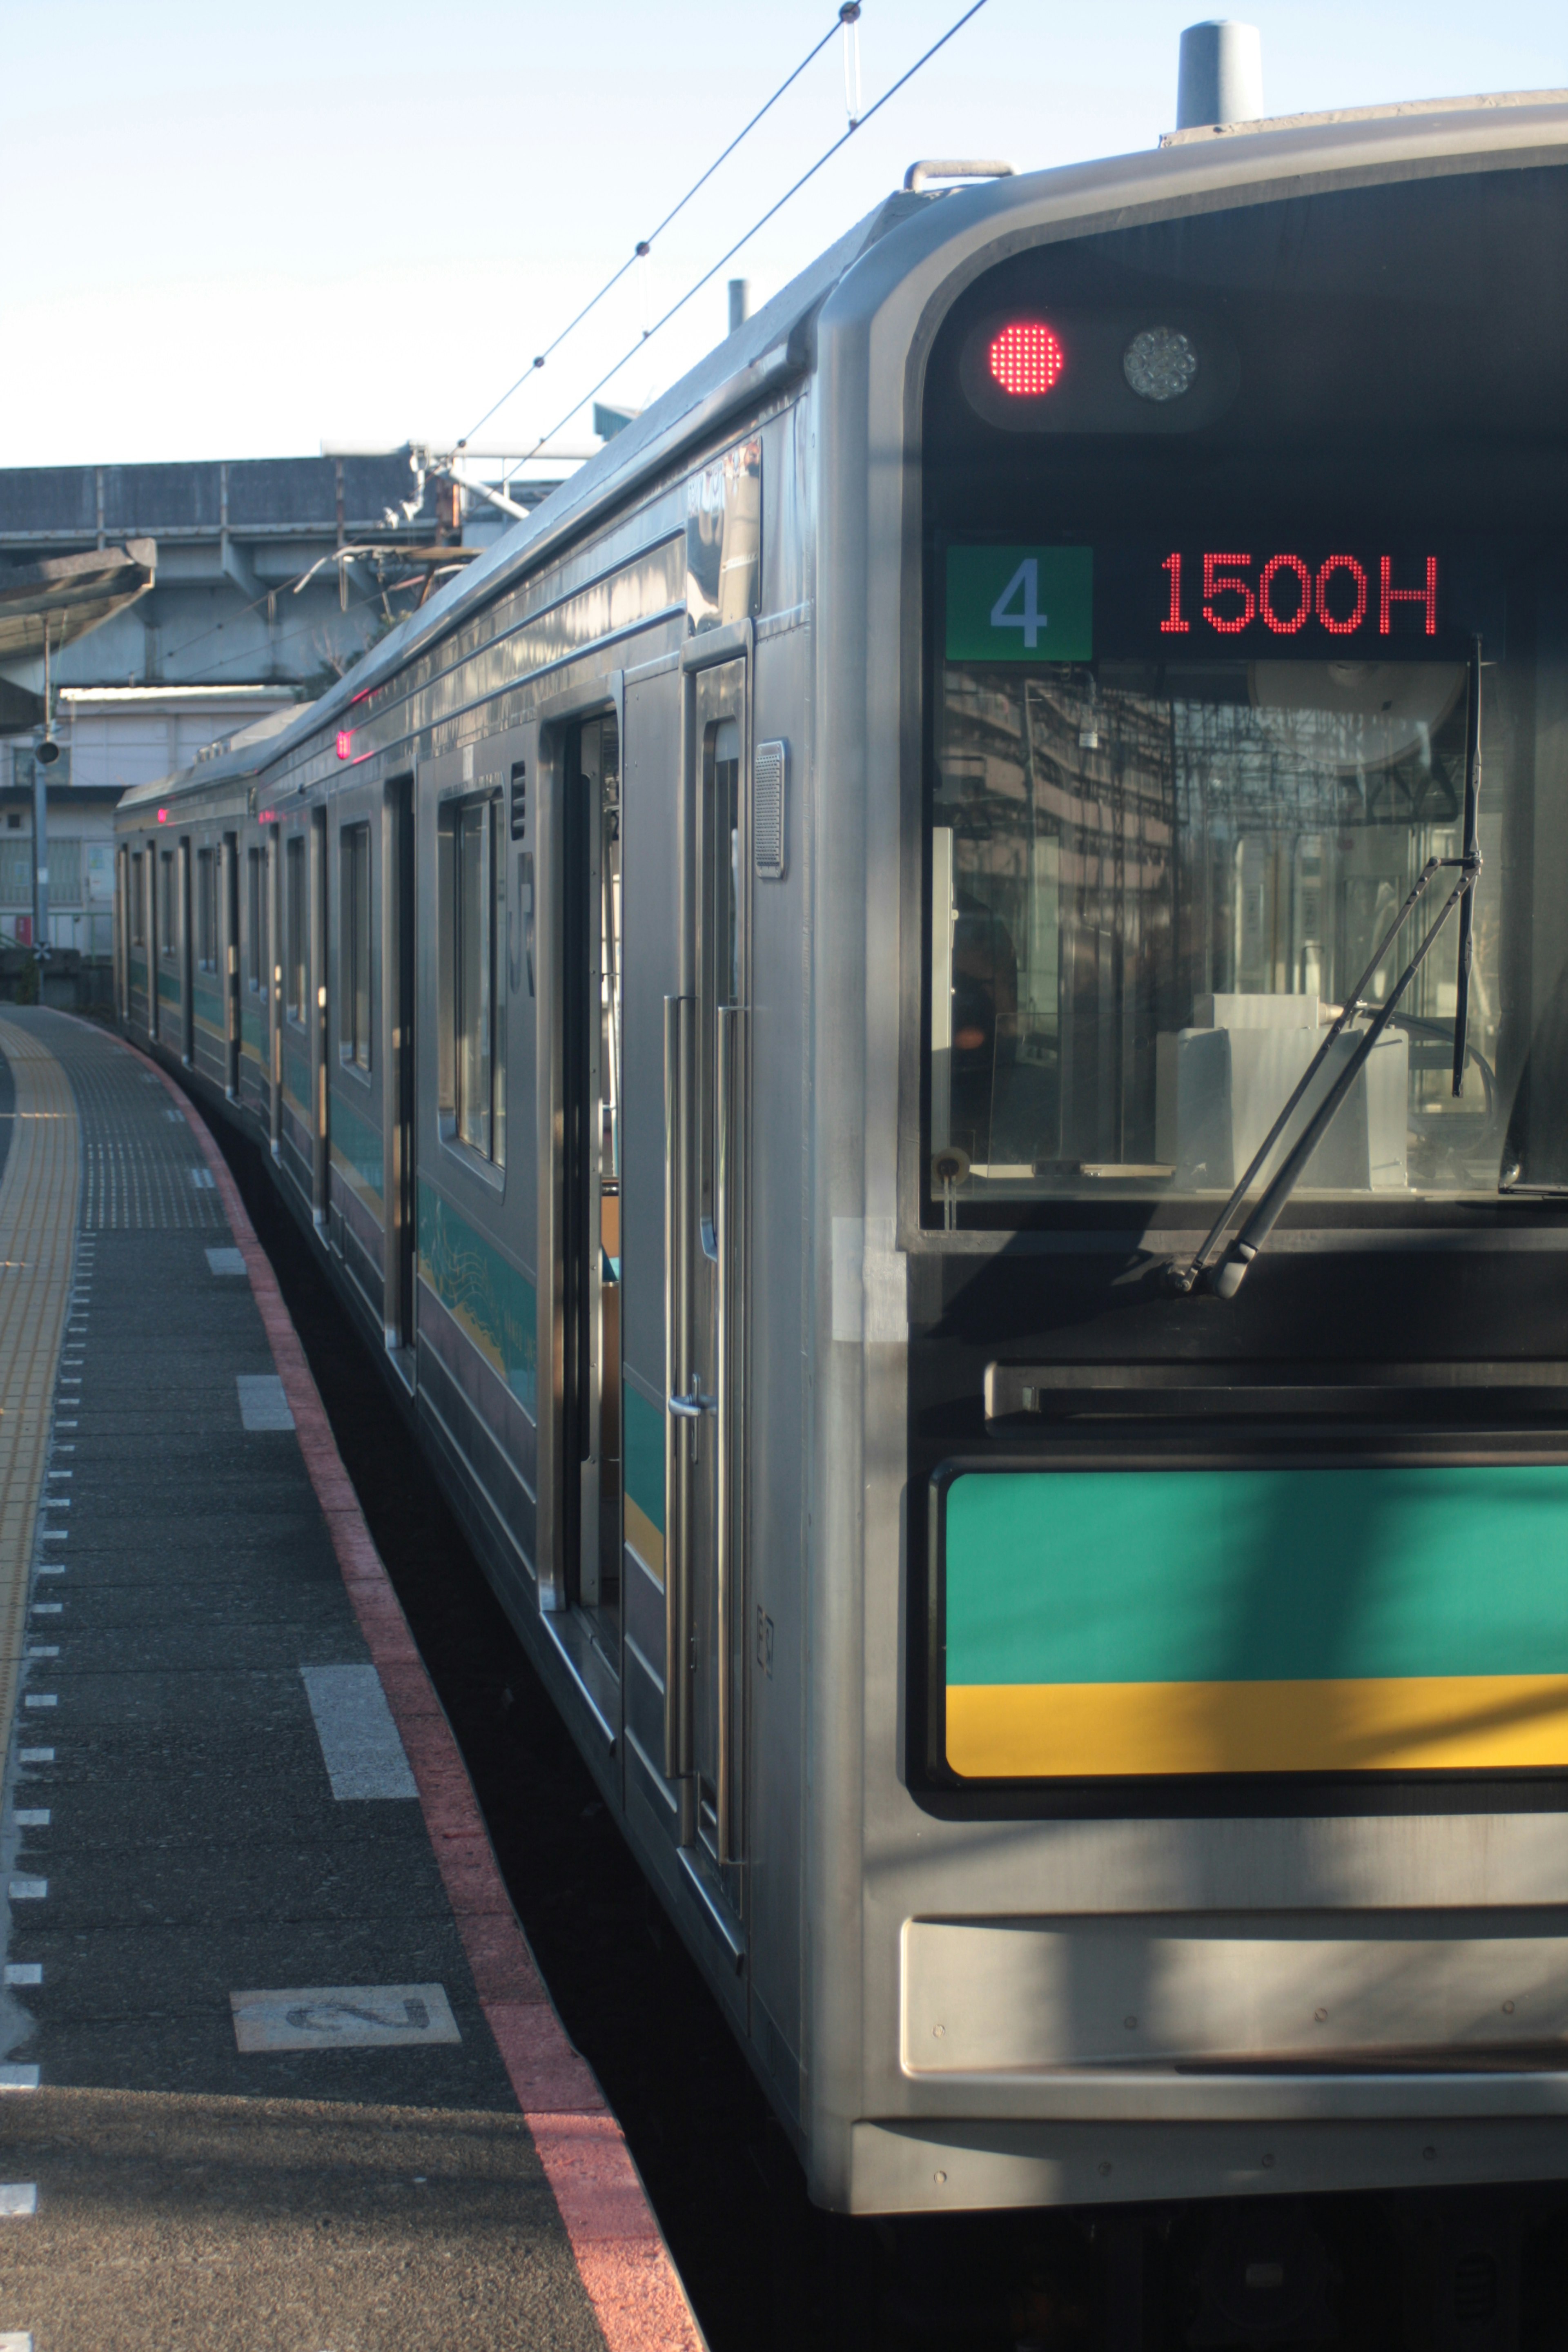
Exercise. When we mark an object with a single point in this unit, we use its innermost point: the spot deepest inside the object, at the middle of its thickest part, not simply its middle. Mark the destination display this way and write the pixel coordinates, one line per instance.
(1236, 595)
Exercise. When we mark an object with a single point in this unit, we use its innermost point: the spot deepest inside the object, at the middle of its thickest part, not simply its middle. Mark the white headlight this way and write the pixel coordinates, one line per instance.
(1160, 364)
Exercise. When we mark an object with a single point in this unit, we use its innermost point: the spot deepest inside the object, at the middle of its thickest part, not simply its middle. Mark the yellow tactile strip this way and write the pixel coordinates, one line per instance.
(38, 1243)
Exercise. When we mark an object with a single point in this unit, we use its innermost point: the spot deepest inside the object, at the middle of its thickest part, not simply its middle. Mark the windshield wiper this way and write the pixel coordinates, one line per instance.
(1227, 1277)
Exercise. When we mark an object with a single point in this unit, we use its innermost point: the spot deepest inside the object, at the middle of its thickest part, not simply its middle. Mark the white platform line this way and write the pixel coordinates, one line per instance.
(360, 1746)
(262, 1403)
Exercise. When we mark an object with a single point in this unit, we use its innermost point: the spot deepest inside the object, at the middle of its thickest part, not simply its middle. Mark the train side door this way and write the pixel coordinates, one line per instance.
(399, 985)
(151, 913)
(231, 960)
(187, 955)
(707, 1241)
(593, 1099)
(317, 1017)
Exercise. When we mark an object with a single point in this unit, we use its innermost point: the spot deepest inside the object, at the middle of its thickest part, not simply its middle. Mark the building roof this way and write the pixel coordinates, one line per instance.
(64, 596)
(252, 497)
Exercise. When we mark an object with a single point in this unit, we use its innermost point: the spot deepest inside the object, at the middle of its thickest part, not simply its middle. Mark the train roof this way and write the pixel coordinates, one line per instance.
(1272, 159)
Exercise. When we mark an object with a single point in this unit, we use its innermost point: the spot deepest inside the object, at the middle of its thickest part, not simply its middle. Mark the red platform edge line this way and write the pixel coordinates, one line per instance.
(625, 2265)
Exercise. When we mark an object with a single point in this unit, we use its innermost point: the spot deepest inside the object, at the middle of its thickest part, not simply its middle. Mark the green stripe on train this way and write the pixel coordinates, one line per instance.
(359, 1144)
(297, 1079)
(1256, 1575)
(642, 1446)
(488, 1299)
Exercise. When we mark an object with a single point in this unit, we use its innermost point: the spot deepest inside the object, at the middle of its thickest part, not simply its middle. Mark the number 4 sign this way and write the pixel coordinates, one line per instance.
(1020, 604)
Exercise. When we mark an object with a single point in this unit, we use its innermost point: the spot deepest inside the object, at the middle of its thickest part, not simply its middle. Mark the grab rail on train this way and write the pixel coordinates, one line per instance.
(676, 1614)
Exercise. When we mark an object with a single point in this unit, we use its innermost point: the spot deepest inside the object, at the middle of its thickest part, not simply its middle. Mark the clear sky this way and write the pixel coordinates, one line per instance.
(243, 230)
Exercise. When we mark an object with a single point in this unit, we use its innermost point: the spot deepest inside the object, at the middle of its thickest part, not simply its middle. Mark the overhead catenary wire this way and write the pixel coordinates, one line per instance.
(709, 275)
(848, 15)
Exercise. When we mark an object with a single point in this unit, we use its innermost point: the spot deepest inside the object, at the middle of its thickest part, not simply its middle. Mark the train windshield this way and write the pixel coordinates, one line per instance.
(1243, 570)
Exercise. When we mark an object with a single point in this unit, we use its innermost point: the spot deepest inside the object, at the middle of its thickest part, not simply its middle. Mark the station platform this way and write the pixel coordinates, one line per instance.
(278, 2067)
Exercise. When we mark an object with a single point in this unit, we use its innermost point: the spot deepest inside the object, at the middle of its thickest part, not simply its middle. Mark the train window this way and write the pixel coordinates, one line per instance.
(724, 538)
(168, 932)
(355, 939)
(255, 930)
(296, 984)
(720, 885)
(138, 917)
(473, 908)
(206, 909)
(1210, 695)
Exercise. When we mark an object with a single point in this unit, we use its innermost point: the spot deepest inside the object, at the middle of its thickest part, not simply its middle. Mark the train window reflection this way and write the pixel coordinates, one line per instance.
(1151, 886)
(354, 937)
(473, 913)
(206, 909)
(255, 939)
(167, 932)
(294, 932)
(719, 978)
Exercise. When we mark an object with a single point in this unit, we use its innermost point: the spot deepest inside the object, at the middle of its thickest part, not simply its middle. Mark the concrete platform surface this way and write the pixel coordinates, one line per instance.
(278, 2069)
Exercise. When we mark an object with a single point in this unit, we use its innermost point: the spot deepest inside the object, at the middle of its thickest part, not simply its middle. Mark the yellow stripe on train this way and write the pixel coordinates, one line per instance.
(1379, 1723)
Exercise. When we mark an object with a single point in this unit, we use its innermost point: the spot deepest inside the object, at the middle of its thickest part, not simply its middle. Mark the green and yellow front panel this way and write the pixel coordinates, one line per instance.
(1255, 1620)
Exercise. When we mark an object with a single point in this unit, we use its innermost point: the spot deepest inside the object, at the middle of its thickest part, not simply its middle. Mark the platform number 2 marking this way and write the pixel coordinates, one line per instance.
(1028, 618)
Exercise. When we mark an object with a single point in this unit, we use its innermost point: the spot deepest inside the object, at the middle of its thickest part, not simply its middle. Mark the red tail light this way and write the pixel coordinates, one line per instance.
(1027, 358)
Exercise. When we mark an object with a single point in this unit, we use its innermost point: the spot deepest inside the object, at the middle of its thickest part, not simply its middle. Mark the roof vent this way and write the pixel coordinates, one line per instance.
(1220, 76)
(936, 168)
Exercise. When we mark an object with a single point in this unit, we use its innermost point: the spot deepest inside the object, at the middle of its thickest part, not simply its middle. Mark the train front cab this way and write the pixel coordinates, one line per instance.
(1212, 1751)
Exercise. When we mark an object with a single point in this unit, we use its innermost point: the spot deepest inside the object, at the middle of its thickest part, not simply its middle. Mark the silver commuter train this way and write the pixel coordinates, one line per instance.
(761, 986)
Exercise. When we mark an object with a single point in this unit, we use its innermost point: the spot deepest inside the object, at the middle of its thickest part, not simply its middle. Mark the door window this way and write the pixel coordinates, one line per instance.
(473, 916)
(294, 929)
(720, 939)
(354, 937)
(255, 959)
(206, 909)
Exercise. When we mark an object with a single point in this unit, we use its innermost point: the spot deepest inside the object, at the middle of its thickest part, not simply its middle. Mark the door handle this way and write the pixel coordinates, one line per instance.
(691, 1407)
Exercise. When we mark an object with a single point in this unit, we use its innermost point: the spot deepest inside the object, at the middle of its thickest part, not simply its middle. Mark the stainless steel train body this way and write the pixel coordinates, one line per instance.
(759, 985)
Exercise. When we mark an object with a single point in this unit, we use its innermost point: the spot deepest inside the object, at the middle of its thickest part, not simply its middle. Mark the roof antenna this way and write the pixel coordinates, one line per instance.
(1219, 79)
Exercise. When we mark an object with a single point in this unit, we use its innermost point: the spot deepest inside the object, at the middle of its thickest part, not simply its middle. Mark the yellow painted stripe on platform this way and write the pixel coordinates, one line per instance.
(644, 1539)
(1380, 1724)
(39, 1195)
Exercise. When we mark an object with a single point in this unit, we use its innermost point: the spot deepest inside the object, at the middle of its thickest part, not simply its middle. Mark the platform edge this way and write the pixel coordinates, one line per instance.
(627, 2269)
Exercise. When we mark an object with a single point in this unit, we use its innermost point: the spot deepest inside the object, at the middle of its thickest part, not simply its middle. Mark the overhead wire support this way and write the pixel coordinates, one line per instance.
(709, 275)
(849, 14)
